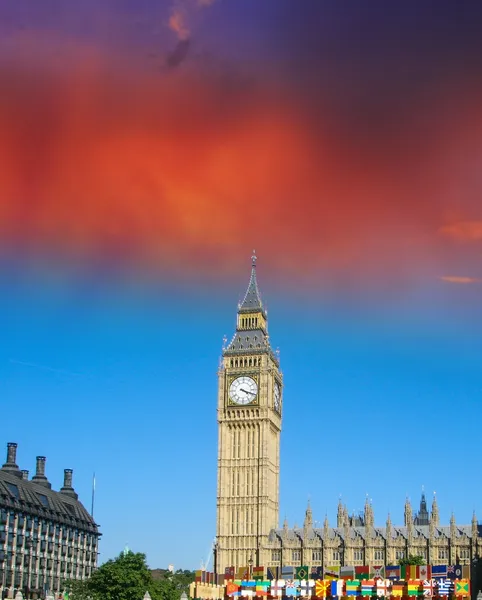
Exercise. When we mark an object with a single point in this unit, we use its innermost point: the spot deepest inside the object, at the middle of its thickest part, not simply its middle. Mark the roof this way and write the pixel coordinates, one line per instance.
(252, 299)
(23, 495)
(422, 531)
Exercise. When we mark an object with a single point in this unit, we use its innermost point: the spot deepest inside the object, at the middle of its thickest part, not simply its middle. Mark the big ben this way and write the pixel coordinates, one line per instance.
(249, 426)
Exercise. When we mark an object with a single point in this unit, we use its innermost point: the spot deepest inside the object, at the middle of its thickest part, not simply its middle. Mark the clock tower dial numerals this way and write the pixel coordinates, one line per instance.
(243, 390)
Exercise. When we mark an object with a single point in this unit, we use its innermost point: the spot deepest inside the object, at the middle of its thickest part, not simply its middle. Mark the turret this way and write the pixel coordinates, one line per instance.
(340, 514)
(308, 522)
(408, 515)
(435, 516)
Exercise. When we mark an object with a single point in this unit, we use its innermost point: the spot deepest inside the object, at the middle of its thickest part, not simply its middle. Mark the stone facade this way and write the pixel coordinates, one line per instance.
(356, 541)
(45, 536)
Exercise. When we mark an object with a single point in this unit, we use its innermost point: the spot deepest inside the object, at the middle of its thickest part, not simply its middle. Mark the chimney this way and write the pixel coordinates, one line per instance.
(25, 474)
(11, 465)
(39, 477)
(67, 488)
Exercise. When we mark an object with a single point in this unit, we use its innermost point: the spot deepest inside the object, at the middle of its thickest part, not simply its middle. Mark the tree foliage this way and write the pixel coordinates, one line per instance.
(128, 577)
(412, 560)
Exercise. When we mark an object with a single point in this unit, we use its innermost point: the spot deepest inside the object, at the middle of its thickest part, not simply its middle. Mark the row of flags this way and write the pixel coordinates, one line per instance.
(404, 572)
(338, 588)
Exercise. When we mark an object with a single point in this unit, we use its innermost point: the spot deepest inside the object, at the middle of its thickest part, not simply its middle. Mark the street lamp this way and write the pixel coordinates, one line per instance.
(250, 565)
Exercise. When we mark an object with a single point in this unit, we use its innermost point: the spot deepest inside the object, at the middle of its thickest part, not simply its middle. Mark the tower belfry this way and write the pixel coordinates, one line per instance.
(249, 424)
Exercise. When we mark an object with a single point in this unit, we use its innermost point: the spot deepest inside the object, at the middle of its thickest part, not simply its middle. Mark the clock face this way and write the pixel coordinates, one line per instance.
(243, 390)
(277, 397)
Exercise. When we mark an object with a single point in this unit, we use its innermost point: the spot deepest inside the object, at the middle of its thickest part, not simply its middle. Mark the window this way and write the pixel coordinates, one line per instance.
(336, 555)
(316, 556)
(13, 489)
(379, 555)
(43, 499)
(358, 554)
(465, 553)
(275, 555)
(442, 553)
(296, 555)
(400, 554)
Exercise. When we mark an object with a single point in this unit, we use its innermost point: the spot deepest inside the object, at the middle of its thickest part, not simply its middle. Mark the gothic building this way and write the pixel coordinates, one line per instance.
(46, 536)
(250, 404)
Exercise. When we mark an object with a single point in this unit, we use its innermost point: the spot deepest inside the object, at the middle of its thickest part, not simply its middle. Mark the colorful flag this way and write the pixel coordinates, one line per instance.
(302, 573)
(287, 572)
(198, 576)
(262, 588)
(272, 573)
(368, 587)
(321, 588)
(428, 587)
(383, 587)
(362, 572)
(352, 587)
(377, 572)
(445, 587)
(258, 573)
(392, 572)
(243, 573)
(413, 587)
(398, 588)
(229, 572)
(306, 588)
(292, 588)
(336, 587)
(277, 587)
(332, 572)
(462, 587)
(316, 573)
(439, 571)
(347, 572)
(425, 572)
(454, 572)
(409, 572)
(232, 589)
(465, 571)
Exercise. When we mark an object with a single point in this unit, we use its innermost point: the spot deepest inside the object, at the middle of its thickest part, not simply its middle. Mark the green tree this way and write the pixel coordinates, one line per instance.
(171, 585)
(412, 560)
(127, 577)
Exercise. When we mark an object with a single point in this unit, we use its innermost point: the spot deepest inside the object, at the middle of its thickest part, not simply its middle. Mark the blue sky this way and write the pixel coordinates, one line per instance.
(121, 380)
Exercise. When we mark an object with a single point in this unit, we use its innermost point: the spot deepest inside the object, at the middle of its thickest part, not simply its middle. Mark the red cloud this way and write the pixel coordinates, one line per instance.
(103, 160)
(462, 280)
(463, 231)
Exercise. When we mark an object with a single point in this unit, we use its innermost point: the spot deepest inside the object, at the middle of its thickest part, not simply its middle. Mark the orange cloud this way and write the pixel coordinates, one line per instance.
(463, 231)
(177, 23)
(101, 160)
(462, 280)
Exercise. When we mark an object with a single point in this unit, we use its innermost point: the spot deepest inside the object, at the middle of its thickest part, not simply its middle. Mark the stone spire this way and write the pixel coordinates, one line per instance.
(475, 529)
(422, 517)
(452, 527)
(368, 513)
(389, 527)
(326, 527)
(252, 299)
(435, 516)
(408, 513)
(308, 522)
(340, 515)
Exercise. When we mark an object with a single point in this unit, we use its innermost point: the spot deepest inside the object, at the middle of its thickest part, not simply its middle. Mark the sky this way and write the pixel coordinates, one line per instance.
(146, 148)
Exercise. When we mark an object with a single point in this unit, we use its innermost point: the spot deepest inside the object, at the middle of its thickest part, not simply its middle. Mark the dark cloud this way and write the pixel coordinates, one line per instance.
(176, 57)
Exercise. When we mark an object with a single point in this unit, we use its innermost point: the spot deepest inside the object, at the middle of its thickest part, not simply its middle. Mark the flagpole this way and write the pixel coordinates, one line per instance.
(93, 496)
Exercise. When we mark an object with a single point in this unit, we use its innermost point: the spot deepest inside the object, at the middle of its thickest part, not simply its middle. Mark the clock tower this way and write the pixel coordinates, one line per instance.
(249, 426)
